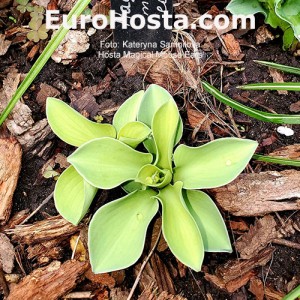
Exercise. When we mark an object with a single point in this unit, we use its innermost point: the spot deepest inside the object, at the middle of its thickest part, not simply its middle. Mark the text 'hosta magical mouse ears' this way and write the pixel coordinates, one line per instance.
(106, 158)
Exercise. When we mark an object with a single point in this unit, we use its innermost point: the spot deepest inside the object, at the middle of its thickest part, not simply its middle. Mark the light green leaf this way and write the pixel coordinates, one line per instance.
(73, 128)
(290, 12)
(150, 175)
(73, 195)
(179, 228)
(153, 99)
(118, 229)
(106, 163)
(245, 7)
(132, 186)
(209, 220)
(133, 133)
(128, 111)
(164, 127)
(214, 164)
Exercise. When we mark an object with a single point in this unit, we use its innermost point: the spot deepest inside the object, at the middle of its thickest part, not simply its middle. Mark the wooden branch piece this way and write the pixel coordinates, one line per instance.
(260, 194)
(51, 282)
(10, 167)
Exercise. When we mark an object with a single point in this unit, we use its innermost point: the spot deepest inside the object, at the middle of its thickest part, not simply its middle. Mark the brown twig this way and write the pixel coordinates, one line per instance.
(286, 243)
(38, 208)
(143, 267)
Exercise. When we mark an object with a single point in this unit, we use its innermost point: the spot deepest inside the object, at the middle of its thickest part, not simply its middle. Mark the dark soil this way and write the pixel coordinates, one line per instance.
(33, 188)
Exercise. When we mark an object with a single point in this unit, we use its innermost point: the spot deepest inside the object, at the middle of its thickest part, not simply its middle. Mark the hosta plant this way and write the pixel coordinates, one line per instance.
(158, 174)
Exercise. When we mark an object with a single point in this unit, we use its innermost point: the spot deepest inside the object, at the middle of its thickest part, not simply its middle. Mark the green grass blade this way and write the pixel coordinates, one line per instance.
(42, 60)
(293, 295)
(254, 113)
(283, 68)
(277, 86)
(277, 160)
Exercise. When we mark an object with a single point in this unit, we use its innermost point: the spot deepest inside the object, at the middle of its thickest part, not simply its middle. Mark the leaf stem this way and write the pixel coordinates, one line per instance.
(277, 160)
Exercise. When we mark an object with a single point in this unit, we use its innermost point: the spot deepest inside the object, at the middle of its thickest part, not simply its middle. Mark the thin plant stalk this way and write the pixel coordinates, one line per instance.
(251, 112)
(283, 68)
(276, 86)
(43, 58)
(277, 160)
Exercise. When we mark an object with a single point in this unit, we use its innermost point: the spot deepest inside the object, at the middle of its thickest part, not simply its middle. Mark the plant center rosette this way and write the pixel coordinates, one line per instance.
(159, 174)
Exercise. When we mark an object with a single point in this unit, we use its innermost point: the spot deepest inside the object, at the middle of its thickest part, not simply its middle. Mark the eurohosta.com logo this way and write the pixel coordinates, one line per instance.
(151, 22)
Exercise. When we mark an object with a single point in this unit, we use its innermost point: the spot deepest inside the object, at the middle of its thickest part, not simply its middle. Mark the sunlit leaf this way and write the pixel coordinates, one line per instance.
(245, 7)
(164, 127)
(133, 133)
(290, 12)
(118, 229)
(106, 163)
(209, 220)
(213, 164)
(73, 195)
(179, 228)
(153, 99)
(72, 127)
(151, 175)
(128, 111)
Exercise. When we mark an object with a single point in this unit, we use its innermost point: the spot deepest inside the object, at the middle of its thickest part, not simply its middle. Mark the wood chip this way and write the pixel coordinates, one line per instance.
(162, 70)
(277, 76)
(118, 294)
(7, 254)
(288, 152)
(260, 194)
(46, 91)
(155, 275)
(272, 294)
(263, 35)
(51, 282)
(10, 167)
(10, 85)
(295, 107)
(198, 119)
(232, 47)
(236, 273)
(4, 44)
(41, 231)
(46, 251)
(84, 102)
(257, 288)
(76, 41)
(162, 244)
(21, 119)
(257, 238)
(104, 279)
(150, 294)
(162, 275)
(239, 226)
(36, 137)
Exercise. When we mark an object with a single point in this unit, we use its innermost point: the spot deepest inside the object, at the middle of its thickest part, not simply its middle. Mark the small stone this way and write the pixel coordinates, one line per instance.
(284, 130)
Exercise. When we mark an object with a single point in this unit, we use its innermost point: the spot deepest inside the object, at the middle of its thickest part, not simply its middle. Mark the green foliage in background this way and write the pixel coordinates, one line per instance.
(284, 14)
